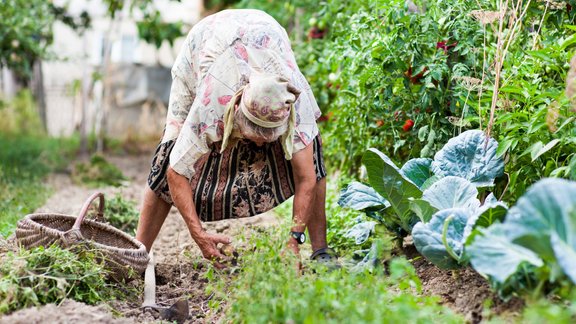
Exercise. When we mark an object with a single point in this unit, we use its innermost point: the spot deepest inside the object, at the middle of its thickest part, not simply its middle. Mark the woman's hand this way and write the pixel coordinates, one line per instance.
(293, 247)
(208, 244)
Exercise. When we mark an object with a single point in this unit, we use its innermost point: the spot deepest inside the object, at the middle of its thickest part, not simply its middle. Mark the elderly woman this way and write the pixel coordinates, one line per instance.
(241, 135)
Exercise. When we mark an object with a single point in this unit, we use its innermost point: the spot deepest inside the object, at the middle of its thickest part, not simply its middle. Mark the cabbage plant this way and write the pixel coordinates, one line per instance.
(395, 195)
(442, 240)
(537, 239)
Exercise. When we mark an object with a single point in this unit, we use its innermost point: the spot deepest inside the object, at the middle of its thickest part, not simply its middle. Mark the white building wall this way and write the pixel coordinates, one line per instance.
(75, 56)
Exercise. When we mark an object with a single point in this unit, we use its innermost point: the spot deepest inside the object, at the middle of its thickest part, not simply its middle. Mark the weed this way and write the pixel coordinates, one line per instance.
(20, 115)
(270, 290)
(121, 214)
(49, 275)
(98, 172)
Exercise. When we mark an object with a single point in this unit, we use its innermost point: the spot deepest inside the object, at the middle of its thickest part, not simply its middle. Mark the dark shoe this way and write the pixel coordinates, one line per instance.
(326, 256)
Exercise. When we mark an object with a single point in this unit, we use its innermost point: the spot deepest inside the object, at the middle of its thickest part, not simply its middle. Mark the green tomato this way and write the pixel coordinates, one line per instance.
(312, 21)
(322, 24)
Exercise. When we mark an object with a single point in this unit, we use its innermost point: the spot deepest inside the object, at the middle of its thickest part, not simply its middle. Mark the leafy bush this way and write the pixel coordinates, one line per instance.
(405, 79)
(20, 115)
(98, 172)
(538, 142)
(49, 275)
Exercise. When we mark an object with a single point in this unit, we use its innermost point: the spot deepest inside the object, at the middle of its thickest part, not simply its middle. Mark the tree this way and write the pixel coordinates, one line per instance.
(26, 32)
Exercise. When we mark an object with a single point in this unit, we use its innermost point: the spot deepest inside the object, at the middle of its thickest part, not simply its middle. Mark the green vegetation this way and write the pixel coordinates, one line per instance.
(49, 275)
(24, 162)
(26, 30)
(26, 157)
(532, 251)
(550, 311)
(97, 172)
(404, 78)
(268, 289)
(122, 214)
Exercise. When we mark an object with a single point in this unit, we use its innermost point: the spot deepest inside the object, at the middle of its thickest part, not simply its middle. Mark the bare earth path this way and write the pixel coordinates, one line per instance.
(180, 269)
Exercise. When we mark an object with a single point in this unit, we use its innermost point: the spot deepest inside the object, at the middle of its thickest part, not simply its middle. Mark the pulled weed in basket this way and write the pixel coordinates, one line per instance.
(49, 275)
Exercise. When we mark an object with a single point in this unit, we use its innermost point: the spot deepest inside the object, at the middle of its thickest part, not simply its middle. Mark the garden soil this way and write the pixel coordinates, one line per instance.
(464, 291)
(181, 271)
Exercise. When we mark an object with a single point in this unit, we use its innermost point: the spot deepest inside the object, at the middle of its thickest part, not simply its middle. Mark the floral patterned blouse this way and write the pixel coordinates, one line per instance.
(217, 58)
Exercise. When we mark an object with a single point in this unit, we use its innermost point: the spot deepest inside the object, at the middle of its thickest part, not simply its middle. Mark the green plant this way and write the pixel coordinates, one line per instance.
(49, 275)
(535, 244)
(539, 142)
(550, 311)
(26, 30)
(269, 289)
(441, 193)
(20, 116)
(121, 214)
(98, 172)
(24, 161)
(457, 214)
(392, 74)
(401, 196)
(154, 31)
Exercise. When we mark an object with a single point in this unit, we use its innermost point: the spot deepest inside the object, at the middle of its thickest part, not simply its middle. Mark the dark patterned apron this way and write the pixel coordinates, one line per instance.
(245, 180)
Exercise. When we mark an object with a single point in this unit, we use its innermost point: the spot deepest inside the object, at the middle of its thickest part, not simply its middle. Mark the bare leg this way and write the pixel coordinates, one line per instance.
(152, 216)
(317, 221)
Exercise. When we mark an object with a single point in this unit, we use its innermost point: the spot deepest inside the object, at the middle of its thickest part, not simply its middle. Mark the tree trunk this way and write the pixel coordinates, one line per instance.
(83, 116)
(106, 89)
(38, 91)
(9, 85)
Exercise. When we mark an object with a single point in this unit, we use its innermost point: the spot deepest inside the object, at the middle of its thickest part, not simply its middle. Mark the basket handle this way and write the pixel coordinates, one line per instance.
(84, 209)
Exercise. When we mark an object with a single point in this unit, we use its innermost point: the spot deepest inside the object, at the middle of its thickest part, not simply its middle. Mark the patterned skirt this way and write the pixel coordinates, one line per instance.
(245, 180)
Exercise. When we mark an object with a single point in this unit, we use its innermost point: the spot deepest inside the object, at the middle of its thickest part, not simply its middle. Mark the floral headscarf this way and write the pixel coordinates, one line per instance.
(267, 101)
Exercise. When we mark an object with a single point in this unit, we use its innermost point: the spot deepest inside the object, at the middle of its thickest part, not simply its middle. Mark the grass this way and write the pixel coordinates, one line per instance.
(268, 289)
(24, 162)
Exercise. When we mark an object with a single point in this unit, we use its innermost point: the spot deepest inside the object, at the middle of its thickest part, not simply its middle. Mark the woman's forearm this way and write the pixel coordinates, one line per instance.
(304, 181)
(181, 192)
(303, 198)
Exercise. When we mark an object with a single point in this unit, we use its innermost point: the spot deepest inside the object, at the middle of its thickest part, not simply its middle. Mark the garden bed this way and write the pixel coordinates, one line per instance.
(181, 272)
(466, 291)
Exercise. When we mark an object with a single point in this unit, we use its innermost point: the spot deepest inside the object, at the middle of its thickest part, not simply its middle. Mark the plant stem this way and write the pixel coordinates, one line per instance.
(499, 60)
(540, 25)
(445, 240)
(501, 55)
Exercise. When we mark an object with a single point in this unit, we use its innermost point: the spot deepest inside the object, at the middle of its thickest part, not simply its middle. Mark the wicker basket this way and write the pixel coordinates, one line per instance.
(120, 251)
